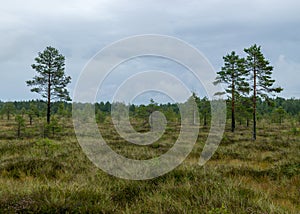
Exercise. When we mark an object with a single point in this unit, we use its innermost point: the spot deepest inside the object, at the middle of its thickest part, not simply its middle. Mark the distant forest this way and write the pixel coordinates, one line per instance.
(276, 109)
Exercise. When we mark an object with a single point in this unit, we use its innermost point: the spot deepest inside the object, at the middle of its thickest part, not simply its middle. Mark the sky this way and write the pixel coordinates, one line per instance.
(80, 29)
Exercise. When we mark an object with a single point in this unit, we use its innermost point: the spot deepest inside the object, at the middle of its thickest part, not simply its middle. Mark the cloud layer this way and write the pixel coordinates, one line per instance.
(79, 29)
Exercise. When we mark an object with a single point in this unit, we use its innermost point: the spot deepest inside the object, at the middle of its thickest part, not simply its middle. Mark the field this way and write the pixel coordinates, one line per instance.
(53, 175)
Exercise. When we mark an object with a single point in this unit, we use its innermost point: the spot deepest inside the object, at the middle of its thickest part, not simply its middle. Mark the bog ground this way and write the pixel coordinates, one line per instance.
(53, 175)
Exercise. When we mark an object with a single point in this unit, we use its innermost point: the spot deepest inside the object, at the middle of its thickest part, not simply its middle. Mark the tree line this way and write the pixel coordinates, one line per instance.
(38, 108)
(27, 114)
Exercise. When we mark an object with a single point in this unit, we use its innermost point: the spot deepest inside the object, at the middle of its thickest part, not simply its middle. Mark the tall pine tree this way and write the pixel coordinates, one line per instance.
(260, 77)
(233, 75)
(51, 80)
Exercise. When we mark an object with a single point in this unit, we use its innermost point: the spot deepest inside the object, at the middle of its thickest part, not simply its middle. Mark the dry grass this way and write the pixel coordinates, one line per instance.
(54, 176)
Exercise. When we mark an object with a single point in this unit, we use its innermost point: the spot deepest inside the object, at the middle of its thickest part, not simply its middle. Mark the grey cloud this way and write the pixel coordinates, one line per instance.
(79, 29)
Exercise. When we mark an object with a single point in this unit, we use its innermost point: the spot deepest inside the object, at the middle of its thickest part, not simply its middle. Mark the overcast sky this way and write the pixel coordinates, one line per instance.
(79, 29)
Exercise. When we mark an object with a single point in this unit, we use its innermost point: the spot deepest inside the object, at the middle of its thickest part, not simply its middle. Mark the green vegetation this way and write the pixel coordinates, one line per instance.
(241, 76)
(260, 70)
(44, 170)
(53, 175)
(233, 74)
(51, 80)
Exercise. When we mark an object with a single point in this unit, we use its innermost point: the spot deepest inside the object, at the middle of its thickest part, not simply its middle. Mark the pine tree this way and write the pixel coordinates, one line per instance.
(51, 80)
(260, 76)
(233, 75)
(8, 109)
(20, 124)
(243, 109)
(33, 111)
(205, 110)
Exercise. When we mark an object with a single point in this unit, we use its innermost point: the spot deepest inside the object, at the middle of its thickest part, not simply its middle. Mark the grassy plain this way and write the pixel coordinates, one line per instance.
(53, 175)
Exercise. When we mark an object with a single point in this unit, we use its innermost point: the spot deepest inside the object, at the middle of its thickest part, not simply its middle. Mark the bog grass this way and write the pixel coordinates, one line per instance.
(53, 175)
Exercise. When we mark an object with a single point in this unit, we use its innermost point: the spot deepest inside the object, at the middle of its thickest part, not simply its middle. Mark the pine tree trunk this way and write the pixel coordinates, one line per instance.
(49, 97)
(233, 105)
(232, 118)
(48, 110)
(254, 106)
